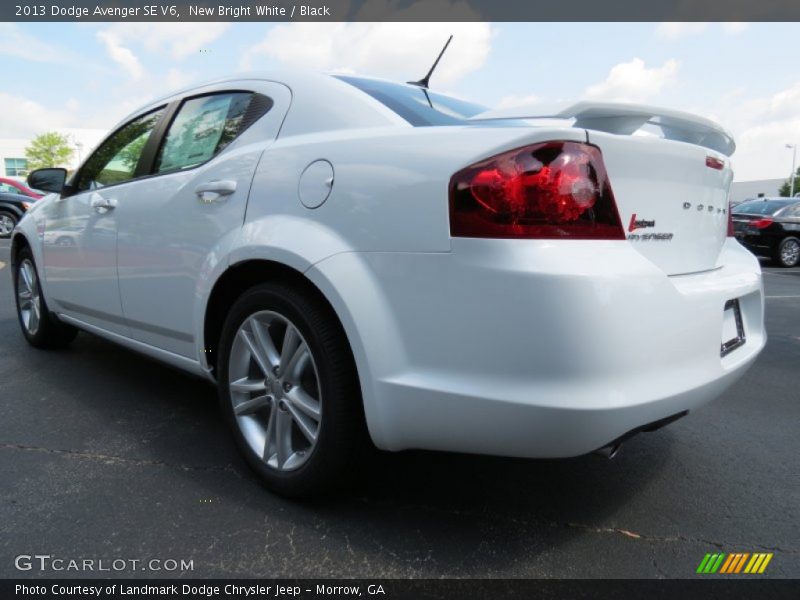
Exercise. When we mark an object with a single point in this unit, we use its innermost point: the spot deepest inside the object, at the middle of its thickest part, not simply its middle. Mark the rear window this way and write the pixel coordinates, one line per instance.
(418, 106)
(761, 207)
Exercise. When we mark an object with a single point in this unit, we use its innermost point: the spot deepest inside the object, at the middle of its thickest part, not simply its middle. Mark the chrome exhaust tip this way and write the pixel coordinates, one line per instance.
(609, 451)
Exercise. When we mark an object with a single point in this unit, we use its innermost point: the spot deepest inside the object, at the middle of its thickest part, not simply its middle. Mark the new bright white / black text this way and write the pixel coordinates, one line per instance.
(261, 10)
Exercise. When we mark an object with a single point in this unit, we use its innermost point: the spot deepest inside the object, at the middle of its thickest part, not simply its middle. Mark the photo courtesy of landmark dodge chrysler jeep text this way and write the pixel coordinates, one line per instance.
(353, 259)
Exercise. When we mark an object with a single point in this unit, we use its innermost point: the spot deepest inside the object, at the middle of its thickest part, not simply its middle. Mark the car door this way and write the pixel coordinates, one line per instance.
(173, 224)
(80, 235)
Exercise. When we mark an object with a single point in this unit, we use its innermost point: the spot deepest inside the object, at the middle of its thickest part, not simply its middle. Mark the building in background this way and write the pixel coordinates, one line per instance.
(12, 158)
(742, 190)
(12, 150)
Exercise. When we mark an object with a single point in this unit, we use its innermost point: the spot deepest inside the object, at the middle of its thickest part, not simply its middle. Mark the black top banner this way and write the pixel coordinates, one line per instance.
(401, 10)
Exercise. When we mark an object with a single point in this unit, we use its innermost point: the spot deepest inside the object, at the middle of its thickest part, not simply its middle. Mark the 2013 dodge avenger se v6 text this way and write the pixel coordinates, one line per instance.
(354, 259)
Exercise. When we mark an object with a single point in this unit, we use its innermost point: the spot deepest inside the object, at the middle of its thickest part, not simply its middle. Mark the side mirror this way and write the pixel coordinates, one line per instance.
(48, 180)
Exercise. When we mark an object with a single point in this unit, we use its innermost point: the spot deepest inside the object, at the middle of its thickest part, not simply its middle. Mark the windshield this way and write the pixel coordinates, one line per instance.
(418, 106)
(762, 207)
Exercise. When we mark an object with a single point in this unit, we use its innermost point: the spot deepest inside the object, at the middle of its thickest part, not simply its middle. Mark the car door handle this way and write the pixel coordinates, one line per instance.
(211, 191)
(106, 203)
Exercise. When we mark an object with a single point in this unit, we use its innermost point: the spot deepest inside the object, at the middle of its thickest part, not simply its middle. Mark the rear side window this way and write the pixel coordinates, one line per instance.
(202, 127)
(418, 106)
(761, 207)
(792, 211)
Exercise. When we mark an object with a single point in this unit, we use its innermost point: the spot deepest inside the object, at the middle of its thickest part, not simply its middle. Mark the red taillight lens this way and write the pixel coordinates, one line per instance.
(761, 223)
(545, 191)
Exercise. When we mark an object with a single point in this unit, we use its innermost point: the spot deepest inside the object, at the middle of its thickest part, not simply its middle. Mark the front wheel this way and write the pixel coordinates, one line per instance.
(41, 328)
(289, 389)
(788, 254)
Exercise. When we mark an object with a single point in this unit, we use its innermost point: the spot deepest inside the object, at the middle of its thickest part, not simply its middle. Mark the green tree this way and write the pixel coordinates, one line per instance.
(786, 188)
(50, 149)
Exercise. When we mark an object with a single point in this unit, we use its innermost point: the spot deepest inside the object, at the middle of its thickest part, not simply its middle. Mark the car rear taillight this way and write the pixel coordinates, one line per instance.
(551, 190)
(761, 223)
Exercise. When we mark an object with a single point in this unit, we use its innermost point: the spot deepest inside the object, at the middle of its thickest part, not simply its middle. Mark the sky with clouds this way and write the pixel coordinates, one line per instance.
(745, 76)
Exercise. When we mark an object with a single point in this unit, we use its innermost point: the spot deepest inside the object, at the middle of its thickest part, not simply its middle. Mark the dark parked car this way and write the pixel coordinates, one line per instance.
(12, 207)
(770, 227)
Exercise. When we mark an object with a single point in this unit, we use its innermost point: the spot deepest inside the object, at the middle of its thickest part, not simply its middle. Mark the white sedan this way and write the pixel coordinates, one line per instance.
(353, 259)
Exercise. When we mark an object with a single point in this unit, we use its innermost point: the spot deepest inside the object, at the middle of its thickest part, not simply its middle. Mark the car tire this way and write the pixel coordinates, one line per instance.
(788, 252)
(8, 221)
(296, 415)
(41, 328)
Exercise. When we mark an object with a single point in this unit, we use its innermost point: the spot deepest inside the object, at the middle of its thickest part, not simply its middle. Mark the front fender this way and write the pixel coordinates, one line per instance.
(30, 229)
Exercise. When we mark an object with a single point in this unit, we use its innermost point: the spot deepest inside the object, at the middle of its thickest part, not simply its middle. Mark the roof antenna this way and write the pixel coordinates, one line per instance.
(423, 83)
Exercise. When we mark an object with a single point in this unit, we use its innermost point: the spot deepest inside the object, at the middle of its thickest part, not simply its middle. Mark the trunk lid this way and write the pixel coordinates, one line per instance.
(673, 205)
(669, 173)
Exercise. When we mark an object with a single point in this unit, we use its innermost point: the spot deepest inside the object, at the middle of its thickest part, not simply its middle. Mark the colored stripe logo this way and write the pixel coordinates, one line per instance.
(737, 562)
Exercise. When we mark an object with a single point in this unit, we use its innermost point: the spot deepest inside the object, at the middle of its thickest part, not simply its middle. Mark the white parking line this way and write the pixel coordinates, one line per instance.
(779, 297)
(2, 264)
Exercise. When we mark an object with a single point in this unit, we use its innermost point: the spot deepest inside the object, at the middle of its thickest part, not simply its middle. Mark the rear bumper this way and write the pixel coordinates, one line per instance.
(537, 349)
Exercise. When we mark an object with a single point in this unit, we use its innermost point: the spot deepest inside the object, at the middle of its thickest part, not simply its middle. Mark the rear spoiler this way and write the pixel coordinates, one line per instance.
(626, 119)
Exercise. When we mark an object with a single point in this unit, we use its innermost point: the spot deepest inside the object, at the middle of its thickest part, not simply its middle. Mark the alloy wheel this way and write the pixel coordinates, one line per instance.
(29, 297)
(790, 252)
(6, 225)
(275, 390)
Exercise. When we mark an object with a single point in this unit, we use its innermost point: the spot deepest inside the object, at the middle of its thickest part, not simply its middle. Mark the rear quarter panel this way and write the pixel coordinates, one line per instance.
(390, 195)
(390, 190)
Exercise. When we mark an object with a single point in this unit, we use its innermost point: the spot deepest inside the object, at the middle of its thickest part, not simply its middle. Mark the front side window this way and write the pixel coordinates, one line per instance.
(116, 159)
(202, 127)
(9, 189)
(16, 167)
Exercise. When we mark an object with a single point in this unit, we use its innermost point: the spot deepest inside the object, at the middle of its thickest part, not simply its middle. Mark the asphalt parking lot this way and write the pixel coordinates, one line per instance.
(106, 454)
